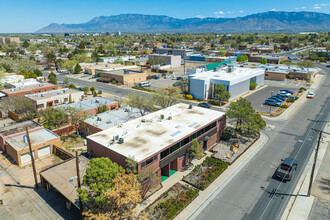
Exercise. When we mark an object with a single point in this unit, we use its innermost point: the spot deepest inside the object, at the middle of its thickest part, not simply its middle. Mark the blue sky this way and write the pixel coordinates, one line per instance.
(20, 16)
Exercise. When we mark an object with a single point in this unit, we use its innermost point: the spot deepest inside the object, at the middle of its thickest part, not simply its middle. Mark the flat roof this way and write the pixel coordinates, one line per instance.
(22, 87)
(237, 75)
(17, 128)
(59, 177)
(147, 135)
(36, 137)
(87, 104)
(122, 72)
(114, 117)
(52, 94)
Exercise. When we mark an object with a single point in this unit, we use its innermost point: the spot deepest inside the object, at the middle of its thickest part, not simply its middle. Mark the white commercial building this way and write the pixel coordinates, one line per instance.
(55, 97)
(236, 81)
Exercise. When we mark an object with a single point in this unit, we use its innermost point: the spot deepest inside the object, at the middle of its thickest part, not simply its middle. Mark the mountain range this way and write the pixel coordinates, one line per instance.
(272, 21)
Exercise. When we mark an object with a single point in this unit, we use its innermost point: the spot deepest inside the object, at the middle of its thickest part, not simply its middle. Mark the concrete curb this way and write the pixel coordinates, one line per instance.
(206, 196)
(299, 207)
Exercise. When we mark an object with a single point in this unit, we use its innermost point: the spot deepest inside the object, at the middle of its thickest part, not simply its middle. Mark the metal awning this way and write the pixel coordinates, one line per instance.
(2, 94)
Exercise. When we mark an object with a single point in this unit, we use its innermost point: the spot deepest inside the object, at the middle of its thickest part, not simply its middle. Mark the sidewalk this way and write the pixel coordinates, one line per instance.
(206, 196)
(301, 206)
(296, 105)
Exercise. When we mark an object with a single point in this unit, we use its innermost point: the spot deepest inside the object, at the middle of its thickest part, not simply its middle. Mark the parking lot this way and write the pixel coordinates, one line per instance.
(258, 98)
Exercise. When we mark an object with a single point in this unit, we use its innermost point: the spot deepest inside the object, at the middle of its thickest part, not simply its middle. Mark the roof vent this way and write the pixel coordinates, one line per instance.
(162, 116)
(121, 140)
(190, 107)
(169, 118)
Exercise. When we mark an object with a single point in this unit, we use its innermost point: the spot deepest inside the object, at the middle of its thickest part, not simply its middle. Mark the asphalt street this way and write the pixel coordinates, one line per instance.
(254, 193)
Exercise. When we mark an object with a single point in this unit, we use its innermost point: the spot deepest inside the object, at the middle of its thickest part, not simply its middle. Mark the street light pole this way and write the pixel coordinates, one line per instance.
(315, 159)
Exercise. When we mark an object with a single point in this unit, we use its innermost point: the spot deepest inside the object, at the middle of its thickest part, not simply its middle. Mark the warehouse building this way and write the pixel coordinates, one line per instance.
(235, 79)
(159, 141)
(173, 60)
(13, 141)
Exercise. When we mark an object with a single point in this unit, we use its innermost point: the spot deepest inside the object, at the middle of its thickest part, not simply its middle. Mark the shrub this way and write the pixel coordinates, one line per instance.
(226, 136)
(296, 98)
(302, 89)
(143, 89)
(253, 85)
(199, 99)
(284, 106)
(103, 79)
(189, 97)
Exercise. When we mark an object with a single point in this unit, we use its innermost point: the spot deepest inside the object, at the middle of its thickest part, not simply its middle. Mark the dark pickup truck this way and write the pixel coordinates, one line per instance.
(286, 169)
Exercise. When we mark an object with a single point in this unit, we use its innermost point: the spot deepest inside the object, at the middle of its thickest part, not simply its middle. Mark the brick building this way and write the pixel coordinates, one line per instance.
(159, 140)
(28, 86)
(13, 141)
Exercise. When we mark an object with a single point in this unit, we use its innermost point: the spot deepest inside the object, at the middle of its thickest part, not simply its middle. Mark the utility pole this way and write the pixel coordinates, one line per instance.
(315, 158)
(79, 186)
(32, 158)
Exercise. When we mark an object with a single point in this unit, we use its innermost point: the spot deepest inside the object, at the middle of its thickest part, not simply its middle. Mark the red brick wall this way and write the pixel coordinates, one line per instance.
(33, 91)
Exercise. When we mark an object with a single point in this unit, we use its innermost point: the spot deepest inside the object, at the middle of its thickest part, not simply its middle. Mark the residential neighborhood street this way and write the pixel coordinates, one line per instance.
(254, 193)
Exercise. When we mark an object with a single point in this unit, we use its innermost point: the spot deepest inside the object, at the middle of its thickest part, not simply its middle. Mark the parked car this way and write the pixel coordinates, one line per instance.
(286, 95)
(310, 95)
(276, 99)
(272, 102)
(176, 84)
(205, 105)
(179, 78)
(286, 90)
(328, 66)
(144, 84)
(286, 169)
(280, 97)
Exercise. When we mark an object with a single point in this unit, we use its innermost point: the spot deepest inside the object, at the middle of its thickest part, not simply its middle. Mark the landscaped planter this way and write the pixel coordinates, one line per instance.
(171, 203)
(204, 174)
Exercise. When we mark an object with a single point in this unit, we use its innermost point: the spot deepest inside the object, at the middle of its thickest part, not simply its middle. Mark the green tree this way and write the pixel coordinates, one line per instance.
(94, 94)
(327, 45)
(77, 69)
(25, 44)
(52, 79)
(263, 61)
(253, 85)
(50, 58)
(240, 111)
(313, 56)
(70, 65)
(86, 90)
(196, 150)
(167, 97)
(53, 118)
(131, 165)
(71, 86)
(70, 56)
(137, 101)
(92, 89)
(38, 72)
(221, 93)
(66, 80)
(58, 64)
(99, 92)
(28, 74)
(98, 179)
(306, 64)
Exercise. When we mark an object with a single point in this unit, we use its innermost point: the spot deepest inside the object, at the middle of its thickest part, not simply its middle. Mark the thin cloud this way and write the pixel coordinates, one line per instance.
(229, 12)
(200, 16)
(317, 7)
(300, 8)
(219, 13)
(241, 11)
(323, 4)
(273, 9)
(219, 16)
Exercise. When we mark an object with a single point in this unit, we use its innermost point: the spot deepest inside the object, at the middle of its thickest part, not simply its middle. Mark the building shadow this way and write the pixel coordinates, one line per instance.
(19, 186)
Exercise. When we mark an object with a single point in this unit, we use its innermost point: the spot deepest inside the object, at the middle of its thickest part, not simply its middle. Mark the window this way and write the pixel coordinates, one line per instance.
(164, 153)
(266, 74)
(144, 164)
(87, 130)
(174, 147)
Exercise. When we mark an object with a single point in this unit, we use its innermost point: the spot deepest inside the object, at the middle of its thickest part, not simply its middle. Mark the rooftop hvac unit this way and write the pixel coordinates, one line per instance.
(42, 95)
(99, 119)
(126, 72)
(116, 137)
(169, 118)
(121, 140)
(162, 116)
(190, 107)
(64, 91)
(108, 122)
(97, 101)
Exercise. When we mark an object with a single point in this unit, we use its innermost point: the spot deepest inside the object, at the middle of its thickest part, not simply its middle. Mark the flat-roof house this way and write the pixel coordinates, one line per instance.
(173, 60)
(28, 86)
(91, 106)
(13, 141)
(109, 119)
(55, 97)
(235, 79)
(125, 76)
(160, 140)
